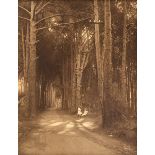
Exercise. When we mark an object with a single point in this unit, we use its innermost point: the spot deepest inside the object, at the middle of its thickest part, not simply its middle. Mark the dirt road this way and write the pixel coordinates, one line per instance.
(58, 133)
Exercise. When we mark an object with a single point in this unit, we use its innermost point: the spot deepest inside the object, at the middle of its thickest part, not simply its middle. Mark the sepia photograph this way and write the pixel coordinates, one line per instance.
(77, 77)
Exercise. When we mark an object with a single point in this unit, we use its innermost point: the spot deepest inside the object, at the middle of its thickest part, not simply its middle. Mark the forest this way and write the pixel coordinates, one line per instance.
(79, 57)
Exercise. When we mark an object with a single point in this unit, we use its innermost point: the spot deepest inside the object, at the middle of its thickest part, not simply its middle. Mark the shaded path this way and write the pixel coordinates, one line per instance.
(57, 133)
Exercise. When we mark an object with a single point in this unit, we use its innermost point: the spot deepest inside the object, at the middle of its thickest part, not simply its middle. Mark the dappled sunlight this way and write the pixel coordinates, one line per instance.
(52, 121)
(79, 126)
(70, 125)
(44, 123)
(68, 129)
(89, 125)
(66, 132)
(57, 124)
(54, 125)
(64, 125)
(80, 120)
(55, 129)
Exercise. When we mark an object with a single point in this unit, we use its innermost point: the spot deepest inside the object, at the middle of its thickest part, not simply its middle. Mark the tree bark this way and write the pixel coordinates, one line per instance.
(32, 74)
(97, 42)
(79, 76)
(123, 72)
(74, 76)
(99, 56)
(107, 114)
(24, 61)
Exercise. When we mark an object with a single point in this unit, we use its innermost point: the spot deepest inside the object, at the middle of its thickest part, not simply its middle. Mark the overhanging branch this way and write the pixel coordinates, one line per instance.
(42, 7)
(39, 8)
(24, 18)
(39, 4)
(24, 9)
(42, 28)
(48, 18)
(78, 21)
(62, 24)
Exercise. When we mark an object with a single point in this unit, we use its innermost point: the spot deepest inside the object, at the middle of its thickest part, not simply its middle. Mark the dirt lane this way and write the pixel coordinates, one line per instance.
(57, 133)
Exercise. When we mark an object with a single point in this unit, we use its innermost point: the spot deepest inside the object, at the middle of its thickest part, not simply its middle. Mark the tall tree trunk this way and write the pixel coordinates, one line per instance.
(24, 61)
(72, 73)
(63, 81)
(123, 72)
(65, 71)
(79, 76)
(99, 59)
(81, 60)
(74, 76)
(107, 117)
(32, 74)
(27, 54)
(53, 96)
(67, 81)
(97, 42)
(28, 67)
(81, 54)
(133, 91)
(74, 85)
(50, 97)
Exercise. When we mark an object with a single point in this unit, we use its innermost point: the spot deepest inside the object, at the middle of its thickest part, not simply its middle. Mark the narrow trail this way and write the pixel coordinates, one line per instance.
(58, 133)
